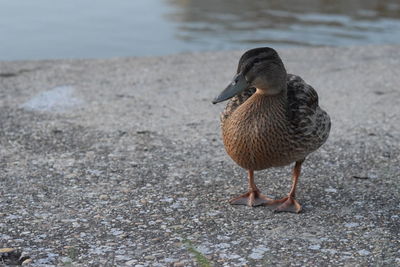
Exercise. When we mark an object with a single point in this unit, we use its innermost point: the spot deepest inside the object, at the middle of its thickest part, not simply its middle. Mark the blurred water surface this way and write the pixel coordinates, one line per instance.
(43, 29)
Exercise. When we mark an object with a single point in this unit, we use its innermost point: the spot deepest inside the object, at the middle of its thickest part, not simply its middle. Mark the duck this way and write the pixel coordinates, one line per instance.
(272, 119)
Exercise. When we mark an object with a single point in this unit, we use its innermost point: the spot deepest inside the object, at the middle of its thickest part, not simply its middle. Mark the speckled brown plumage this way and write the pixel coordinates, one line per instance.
(272, 120)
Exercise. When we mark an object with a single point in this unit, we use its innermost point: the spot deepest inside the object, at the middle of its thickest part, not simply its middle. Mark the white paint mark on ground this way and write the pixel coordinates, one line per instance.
(258, 252)
(314, 247)
(58, 99)
(364, 252)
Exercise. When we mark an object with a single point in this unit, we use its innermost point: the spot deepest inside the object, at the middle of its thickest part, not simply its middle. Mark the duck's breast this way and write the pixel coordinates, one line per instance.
(256, 135)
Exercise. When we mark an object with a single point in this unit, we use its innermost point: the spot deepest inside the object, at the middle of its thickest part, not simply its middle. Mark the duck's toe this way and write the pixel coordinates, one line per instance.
(252, 199)
(288, 204)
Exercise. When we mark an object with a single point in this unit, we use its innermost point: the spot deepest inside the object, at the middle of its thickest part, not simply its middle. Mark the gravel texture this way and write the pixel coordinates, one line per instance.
(119, 162)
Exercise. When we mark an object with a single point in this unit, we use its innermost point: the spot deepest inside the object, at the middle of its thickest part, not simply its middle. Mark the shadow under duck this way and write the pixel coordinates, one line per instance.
(272, 120)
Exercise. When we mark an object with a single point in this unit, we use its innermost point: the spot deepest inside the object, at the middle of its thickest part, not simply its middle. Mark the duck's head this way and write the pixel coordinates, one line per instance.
(261, 68)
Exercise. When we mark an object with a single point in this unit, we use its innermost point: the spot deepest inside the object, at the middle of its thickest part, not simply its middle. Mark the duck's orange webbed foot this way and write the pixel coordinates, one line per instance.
(252, 199)
(289, 204)
(286, 204)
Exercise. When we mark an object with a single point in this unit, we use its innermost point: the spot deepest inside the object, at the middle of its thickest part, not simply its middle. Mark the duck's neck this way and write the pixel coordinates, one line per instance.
(262, 109)
(273, 90)
(269, 108)
(270, 103)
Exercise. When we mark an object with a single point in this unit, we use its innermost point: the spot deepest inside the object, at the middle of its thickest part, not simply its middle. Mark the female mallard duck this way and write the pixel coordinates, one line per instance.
(272, 120)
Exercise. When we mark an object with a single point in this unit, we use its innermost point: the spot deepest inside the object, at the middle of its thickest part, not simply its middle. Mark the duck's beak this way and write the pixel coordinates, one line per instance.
(237, 85)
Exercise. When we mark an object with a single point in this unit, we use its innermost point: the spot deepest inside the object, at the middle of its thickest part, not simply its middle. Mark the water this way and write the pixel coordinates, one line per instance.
(46, 29)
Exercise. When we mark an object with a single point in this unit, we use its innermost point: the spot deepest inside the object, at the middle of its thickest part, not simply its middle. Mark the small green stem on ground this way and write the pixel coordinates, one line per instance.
(200, 258)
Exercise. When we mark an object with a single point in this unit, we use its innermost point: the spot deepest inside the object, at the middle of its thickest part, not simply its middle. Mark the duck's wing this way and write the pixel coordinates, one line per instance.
(308, 122)
(235, 102)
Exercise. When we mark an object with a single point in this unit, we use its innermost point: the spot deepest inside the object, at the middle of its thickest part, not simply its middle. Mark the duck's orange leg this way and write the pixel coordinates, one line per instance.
(289, 204)
(253, 197)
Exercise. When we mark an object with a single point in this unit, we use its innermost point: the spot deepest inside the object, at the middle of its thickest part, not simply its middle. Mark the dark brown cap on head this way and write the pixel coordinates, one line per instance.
(256, 55)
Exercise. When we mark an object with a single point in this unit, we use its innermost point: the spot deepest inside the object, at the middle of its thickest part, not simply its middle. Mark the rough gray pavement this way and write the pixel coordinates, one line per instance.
(119, 162)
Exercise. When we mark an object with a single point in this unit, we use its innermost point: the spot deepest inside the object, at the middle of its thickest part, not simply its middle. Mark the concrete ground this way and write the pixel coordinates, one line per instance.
(119, 162)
